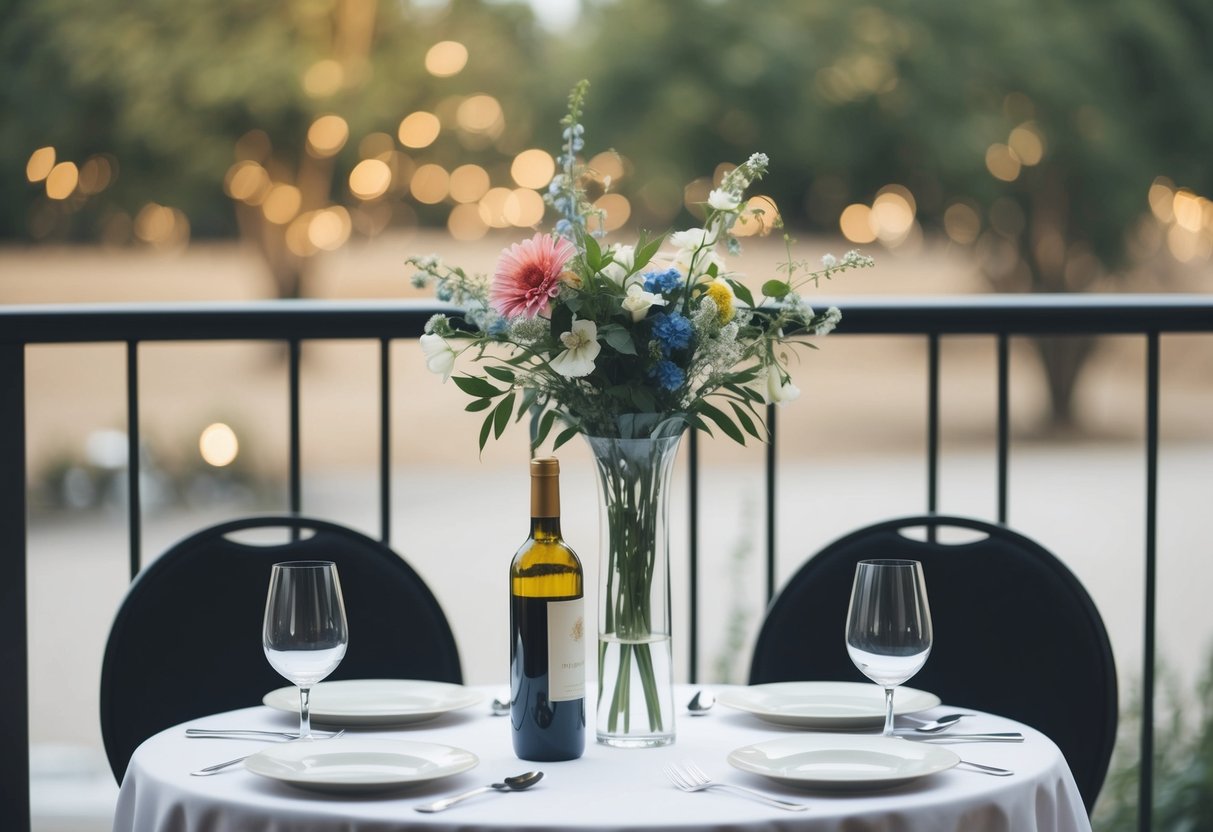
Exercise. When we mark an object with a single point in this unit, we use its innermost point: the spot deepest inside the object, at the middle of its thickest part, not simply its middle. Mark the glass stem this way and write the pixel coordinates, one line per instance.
(888, 712)
(305, 712)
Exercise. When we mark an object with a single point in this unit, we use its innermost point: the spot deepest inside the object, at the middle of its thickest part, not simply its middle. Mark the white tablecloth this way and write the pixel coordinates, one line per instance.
(607, 789)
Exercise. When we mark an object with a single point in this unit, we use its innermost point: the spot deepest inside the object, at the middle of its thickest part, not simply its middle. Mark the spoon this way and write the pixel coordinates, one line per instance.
(517, 783)
(701, 703)
(499, 706)
(941, 724)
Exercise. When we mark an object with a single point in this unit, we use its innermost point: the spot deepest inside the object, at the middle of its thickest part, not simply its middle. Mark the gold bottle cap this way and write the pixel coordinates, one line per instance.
(545, 467)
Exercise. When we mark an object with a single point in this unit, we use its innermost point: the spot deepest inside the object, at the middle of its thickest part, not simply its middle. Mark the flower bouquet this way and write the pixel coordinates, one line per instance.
(627, 344)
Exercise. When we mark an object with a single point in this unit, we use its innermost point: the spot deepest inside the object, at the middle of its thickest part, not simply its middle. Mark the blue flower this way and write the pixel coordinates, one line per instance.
(672, 331)
(443, 292)
(668, 375)
(662, 282)
(564, 228)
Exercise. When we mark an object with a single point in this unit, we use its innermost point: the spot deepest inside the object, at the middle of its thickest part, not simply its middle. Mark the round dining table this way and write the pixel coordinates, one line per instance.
(606, 789)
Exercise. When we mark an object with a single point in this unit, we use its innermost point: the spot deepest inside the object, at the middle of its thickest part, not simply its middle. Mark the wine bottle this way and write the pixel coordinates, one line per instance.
(547, 632)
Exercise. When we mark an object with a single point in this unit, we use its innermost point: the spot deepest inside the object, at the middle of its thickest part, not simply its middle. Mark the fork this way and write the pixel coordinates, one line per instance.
(692, 779)
(217, 767)
(246, 733)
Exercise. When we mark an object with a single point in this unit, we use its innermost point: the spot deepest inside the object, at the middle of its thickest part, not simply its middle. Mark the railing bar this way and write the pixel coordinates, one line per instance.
(14, 647)
(932, 428)
(296, 490)
(1146, 786)
(385, 440)
(770, 466)
(133, 499)
(693, 539)
(1004, 422)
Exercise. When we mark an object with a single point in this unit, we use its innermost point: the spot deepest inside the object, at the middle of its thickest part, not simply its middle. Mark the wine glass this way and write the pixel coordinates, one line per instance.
(889, 625)
(305, 631)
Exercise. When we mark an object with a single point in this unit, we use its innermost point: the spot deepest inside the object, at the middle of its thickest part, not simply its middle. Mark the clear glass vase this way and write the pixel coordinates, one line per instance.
(635, 665)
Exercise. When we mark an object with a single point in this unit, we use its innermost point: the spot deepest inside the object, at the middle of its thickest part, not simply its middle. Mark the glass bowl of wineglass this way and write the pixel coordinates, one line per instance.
(305, 631)
(889, 625)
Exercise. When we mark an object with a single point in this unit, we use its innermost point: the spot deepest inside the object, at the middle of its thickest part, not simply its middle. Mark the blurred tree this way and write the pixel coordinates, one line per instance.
(275, 102)
(1032, 131)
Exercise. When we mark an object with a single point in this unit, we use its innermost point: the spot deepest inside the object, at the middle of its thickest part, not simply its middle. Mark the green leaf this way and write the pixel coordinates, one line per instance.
(528, 400)
(565, 436)
(644, 400)
(501, 374)
(478, 405)
(775, 288)
(476, 386)
(593, 254)
(541, 427)
(742, 291)
(722, 421)
(746, 421)
(619, 338)
(484, 430)
(645, 252)
(501, 415)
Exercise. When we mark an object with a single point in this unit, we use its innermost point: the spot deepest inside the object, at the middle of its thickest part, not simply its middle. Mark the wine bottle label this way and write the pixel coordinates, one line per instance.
(566, 650)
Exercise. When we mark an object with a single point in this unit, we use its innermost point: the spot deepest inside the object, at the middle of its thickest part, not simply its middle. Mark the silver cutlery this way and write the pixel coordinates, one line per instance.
(993, 771)
(692, 779)
(1006, 736)
(246, 733)
(701, 703)
(517, 783)
(217, 767)
(500, 706)
(934, 726)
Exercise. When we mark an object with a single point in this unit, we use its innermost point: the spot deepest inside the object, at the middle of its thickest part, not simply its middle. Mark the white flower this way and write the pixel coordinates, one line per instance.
(778, 390)
(439, 356)
(638, 301)
(581, 348)
(829, 261)
(724, 200)
(696, 252)
(622, 260)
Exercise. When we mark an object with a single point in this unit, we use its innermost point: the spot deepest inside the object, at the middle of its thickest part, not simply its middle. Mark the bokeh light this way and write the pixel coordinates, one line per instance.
(480, 114)
(62, 180)
(609, 165)
(446, 58)
(218, 445)
(327, 135)
(40, 164)
(323, 78)
(962, 223)
(430, 184)
(492, 207)
(1027, 143)
(330, 228)
(1002, 163)
(370, 179)
(161, 226)
(465, 222)
(1161, 197)
(96, 174)
(282, 203)
(523, 208)
(617, 210)
(469, 183)
(855, 223)
(533, 168)
(247, 182)
(892, 215)
(419, 129)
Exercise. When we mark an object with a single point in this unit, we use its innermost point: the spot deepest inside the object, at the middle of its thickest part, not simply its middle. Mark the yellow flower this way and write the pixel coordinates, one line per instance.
(722, 295)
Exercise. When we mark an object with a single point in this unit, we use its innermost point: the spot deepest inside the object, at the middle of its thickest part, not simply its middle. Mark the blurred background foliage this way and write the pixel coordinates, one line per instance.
(1062, 143)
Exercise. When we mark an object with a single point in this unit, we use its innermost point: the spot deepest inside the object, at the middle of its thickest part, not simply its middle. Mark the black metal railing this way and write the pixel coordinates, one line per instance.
(293, 322)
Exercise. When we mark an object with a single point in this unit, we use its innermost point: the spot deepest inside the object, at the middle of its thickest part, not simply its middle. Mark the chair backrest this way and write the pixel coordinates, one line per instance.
(186, 640)
(1015, 633)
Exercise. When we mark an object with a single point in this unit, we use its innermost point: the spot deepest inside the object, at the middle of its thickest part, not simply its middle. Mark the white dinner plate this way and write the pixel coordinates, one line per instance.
(829, 706)
(842, 761)
(359, 764)
(376, 701)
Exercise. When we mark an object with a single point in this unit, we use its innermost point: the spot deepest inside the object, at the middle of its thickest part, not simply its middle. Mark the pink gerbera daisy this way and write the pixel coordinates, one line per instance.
(528, 275)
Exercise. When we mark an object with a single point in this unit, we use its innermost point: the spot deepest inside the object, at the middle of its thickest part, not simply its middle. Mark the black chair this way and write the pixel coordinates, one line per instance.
(186, 641)
(1015, 633)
